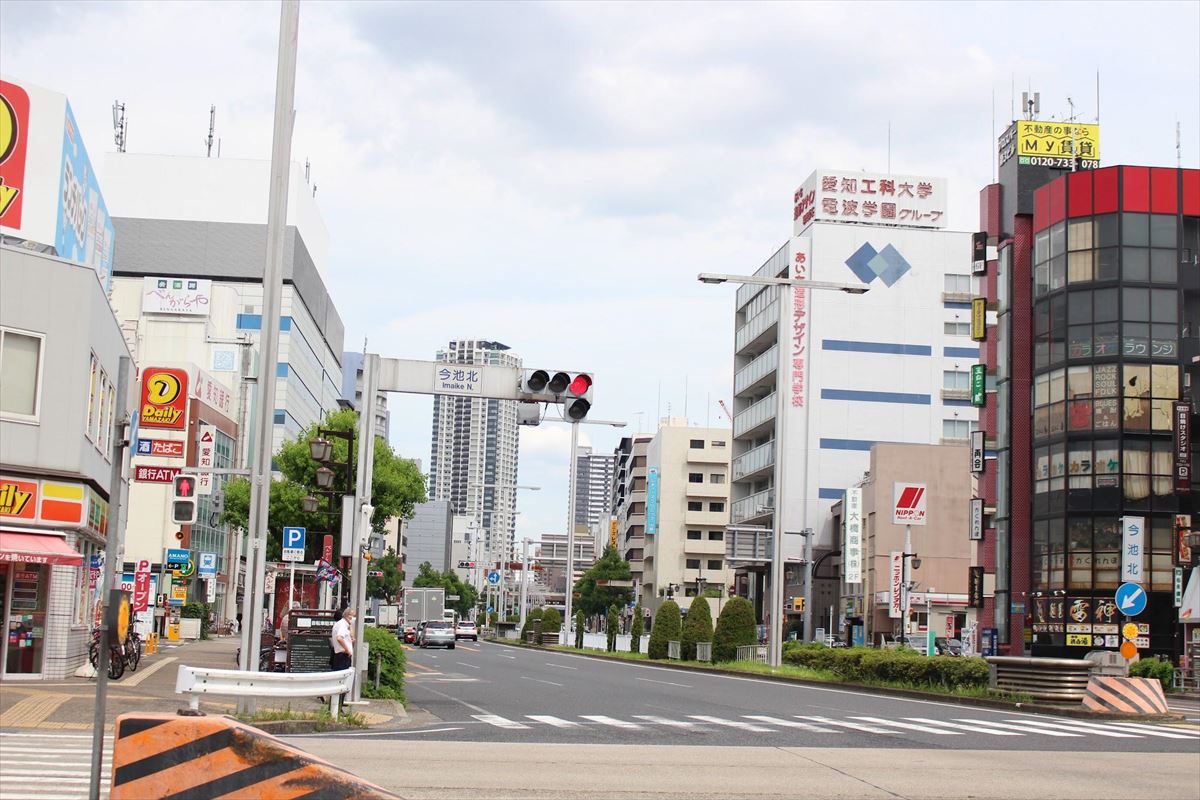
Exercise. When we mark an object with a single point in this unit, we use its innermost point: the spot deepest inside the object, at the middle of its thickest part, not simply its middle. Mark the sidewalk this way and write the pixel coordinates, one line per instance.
(70, 704)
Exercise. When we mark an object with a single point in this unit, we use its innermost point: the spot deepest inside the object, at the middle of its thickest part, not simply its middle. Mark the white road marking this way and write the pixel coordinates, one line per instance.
(969, 728)
(560, 666)
(376, 733)
(892, 723)
(555, 721)
(788, 723)
(1150, 730)
(465, 664)
(147, 672)
(671, 723)
(616, 723)
(1071, 726)
(852, 725)
(731, 723)
(500, 722)
(1022, 729)
(539, 680)
(665, 683)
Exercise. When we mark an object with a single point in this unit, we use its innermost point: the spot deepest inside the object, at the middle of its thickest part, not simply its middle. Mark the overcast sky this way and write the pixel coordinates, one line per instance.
(553, 176)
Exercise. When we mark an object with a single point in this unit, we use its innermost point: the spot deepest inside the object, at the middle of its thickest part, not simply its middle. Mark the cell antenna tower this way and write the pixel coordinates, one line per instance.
(1031, 104)
(120, 126)
(212, 126)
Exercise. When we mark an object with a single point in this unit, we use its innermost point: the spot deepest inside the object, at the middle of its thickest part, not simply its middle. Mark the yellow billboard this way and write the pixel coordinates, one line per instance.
(979, 319)
(1052, 139)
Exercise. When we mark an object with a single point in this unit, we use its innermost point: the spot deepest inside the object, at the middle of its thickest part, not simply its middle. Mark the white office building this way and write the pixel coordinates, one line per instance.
(845, 371)
(593, 487)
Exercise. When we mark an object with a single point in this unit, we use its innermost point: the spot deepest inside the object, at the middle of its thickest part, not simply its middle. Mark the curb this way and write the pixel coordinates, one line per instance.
(1030, 708)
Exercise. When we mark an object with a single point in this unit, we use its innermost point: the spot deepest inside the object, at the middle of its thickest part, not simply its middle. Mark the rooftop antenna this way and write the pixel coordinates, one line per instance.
(1074, 134)
(889, 169)
(1031, 104)
(212, 126)
(307, 168)
(1097, 97)
(120, 126)
(1178, 150)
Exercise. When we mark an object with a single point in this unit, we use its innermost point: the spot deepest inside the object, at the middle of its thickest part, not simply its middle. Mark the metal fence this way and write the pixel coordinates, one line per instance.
(704, 651)
(674, 650)
(233, 682)
(1062, 680)
(752, 652)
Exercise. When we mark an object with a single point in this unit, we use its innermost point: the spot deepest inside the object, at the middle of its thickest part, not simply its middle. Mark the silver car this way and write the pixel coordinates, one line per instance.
(436, 633)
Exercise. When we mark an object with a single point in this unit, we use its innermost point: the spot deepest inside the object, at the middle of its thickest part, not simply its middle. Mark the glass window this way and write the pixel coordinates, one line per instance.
(957, 284)
(714, 563)
(20, 373)
(693, 534)
(1165, 380)
(1108, 553)
(716, 536)
(696, 444)
(1058, 239)
(1079, 341)
(1041, 247)
(1079, 551)
(1163, 230)
(716, 477)
(1107, 462)
(1162, 466)
(1041, 279)
(1079, 235)
(1057, 385)
(693, 563)
(1135, 230)
(1136, 304)
(957, 428)
(1106, 305)
(1164, 305)
(716, 507)
(1162, 266)
(1079, 266)
(1041, 390)
(1041, 317)
(1136, 341)
(1041, 422)
(1079, 307)
(695, 477)
(1106, 264)
(1163, 341)
(695, 505)
(1135, 263)
(717, 443)
(1135, 468)
(1079, 465)
(1002, 272)
(1105, 230)
(1079, 382)
(1105, 339)
(1105, 381)
(956, 380)
(1104, 415)
(1058, 272)
(956, 328)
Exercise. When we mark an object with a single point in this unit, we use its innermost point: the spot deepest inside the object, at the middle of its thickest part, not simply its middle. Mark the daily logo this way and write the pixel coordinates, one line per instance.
(13, 500)
(164, 398)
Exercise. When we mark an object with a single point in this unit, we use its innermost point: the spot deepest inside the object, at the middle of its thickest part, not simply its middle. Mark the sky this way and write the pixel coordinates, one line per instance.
(553, 176)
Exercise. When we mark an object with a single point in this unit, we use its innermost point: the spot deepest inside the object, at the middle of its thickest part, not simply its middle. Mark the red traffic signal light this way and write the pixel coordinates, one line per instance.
(580, 385)
(185, 487)
(183, 506)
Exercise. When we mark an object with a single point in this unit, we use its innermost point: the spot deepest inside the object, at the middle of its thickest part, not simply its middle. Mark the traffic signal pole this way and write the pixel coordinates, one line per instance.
(570, 617)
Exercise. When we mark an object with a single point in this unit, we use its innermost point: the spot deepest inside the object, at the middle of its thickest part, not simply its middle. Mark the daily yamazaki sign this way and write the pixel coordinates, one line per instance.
(164, 398)
(47, 503)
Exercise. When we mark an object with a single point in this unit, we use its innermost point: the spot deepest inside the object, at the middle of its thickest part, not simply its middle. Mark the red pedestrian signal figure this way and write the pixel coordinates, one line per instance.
(183, 505)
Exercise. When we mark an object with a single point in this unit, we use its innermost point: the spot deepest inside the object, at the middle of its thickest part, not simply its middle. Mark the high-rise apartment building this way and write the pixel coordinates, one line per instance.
(352, 376)
(473, 463)
(593, 486)
(629, 503)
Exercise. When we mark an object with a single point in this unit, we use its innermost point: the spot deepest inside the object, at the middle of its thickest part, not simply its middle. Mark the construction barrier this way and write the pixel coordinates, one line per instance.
(150, 644)
(1110, 695)
(1055, 680)
(203, 758)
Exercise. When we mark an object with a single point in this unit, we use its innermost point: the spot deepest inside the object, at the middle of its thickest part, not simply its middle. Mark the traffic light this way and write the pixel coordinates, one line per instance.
(798, 605)
(183, 506)
(573, 390)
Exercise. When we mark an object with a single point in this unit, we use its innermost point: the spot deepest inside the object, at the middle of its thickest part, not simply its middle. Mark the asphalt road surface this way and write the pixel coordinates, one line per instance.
(495, 693)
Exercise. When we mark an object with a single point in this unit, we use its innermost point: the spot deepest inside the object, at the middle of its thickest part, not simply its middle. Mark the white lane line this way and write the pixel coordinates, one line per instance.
(788, 723)
(33, 782)
(378, 733)
(968, 728)
(514, 658)
(14, 734)
(539, 680)
(852, 725)
(1071, 726)
(465, 664)
(82, 771)
(731, 723)
(665, 683)
(500, 722)
(1151, 730)
(560, 666)
(670, 723)
(893, 723)
(37, 751)
(555, 721)
(147, 672)
(615, 723)
(1020, 728)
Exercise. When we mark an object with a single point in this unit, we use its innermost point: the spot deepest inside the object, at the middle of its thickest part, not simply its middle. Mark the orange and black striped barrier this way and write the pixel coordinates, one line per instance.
(204, 758)
(1112, 695)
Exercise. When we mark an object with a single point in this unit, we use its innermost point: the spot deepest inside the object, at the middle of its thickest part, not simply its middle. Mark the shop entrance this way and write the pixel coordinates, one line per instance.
(23, 588)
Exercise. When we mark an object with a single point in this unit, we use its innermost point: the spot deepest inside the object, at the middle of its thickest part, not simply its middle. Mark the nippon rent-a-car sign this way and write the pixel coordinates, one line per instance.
(908, 503)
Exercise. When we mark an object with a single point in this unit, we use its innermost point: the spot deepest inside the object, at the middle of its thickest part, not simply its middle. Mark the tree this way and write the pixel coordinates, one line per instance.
(735, 628)
(551, 621)
(612, 624)
(396, 487)
(636, 630)
(427, 576)
(595, 600)
(387, 587)
(534, 615)
(578, 630)
(697, 627)
(666, 629)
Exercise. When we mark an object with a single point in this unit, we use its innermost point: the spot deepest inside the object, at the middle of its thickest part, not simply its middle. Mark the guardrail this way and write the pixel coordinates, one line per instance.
(674, 650)
(704, 651)
(752, 652)
(1062, 680)
(197, 681)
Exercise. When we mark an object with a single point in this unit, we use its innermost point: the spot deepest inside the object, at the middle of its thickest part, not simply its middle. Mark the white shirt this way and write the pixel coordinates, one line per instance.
(341, 629)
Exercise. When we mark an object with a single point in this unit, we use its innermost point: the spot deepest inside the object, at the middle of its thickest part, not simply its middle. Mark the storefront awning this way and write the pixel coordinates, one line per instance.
(37, 548)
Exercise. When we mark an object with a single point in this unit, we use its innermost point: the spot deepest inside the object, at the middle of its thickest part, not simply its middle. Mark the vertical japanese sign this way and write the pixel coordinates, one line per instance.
(979, 253)
(979, 319)
(652, 500)
(141, 586)
(976, 519)
(795, 365)
(205, 458)
(1183, 455)
(612, 531)
(978, 385)
(1133, 542)
(852, 550)
(977, 452)
(897, 581)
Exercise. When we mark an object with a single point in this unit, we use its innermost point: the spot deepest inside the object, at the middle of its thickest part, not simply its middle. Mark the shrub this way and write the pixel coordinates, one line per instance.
(636, 630)
(612, 623)
(551, 621)
(534, 614)
(1154, 668)
(391, 677)
(195, 610)
(697, 627)
(578, 630)
(869, 665)
(666, 629)
(735, 628)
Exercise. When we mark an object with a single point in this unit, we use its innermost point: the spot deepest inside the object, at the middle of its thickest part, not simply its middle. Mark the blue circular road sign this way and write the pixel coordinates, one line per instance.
(493, 577)
(1131, 599)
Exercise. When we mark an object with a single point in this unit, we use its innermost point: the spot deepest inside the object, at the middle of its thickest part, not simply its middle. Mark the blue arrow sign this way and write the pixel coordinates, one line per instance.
(1131, 599)
(493, 577)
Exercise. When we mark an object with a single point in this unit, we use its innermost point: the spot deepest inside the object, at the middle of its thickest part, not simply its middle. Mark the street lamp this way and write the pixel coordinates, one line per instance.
(324, 477)
(478, 527)
(320, 449)
(905, 557)
(775, 635)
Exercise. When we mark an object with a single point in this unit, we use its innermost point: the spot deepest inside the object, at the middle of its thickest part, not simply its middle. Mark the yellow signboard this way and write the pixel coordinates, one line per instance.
(1129, 630)
(612, 532)
(1079, 640)
(979, 319)
(1053, 139)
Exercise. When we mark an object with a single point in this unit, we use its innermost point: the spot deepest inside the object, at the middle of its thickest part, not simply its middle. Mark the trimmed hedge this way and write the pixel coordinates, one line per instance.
(666, 629)
(391, 678)
(612, 623)
(579, 620)
(697, 627)
(735, 628)
(867, 665)
(551, 621)
(1154, 668)
(636, 629)
(534, 614)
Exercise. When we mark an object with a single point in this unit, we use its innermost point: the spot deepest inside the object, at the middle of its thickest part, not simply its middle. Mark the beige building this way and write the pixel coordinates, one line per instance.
(938, 573)
(687, 509)
(629, 504)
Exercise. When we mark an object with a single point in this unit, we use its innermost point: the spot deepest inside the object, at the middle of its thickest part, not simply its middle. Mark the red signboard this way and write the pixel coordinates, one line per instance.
(164, 399)
(141, 586)
(155, 474)
(327, 547)
(14, 139)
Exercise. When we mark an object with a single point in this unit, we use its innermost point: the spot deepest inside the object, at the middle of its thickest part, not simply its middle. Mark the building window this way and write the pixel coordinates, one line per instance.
(956, 380)
(695, 477)
(958, 284)
(714, 563)
(956, 328)
(693, 563)
(693, 534)
(695, 505)
(716, 506)
(20, 374)
(696, 444)
(716, 477)
(958, 429)
(716, 536)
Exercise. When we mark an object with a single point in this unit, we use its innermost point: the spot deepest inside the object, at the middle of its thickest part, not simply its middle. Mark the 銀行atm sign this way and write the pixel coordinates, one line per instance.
(164, 398)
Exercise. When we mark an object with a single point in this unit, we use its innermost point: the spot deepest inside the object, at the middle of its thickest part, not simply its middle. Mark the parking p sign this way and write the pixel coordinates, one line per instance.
(293, 544)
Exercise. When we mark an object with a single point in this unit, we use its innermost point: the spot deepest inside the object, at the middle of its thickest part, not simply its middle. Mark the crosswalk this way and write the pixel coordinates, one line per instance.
(49, 766)
(759, 724)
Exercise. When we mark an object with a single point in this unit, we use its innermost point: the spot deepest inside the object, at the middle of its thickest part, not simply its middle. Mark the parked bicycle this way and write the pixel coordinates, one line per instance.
(133, 649)
(116, 656)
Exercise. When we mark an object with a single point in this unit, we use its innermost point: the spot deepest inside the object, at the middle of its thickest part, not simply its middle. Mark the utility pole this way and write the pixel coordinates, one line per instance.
(808, 583)
(524, 579)
(364, 509)
(569, 616)
(260, 476)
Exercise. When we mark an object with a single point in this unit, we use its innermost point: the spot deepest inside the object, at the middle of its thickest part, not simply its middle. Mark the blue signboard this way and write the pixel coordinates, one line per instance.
(208, 565)
(293, 544)
(84, 232)
(493, 577)
(652, 500)
(1131, 599)
(177, 555)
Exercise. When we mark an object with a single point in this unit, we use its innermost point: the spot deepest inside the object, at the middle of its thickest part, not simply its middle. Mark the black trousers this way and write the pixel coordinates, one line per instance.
(340, 661)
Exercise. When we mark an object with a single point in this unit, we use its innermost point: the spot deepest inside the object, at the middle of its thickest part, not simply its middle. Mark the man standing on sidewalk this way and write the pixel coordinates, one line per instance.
(342, 641)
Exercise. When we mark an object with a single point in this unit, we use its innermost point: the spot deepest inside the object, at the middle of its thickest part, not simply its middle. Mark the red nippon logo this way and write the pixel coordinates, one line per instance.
(909, 505)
